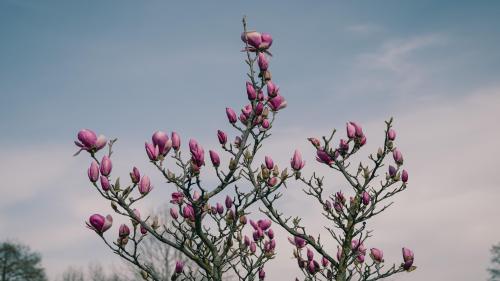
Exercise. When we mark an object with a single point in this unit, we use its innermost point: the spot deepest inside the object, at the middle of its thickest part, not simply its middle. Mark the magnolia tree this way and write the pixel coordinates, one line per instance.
(215, 236)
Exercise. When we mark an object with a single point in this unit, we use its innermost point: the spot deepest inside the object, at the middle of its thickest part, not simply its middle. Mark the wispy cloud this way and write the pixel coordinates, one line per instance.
(397, 68)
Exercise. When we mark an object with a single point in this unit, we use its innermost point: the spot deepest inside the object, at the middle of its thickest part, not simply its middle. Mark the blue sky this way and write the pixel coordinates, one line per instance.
(128, 68)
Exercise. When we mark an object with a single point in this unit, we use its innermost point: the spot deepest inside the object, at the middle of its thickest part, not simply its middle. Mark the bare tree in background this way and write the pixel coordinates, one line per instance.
(72, 274)
(19, 263)
(160, 257)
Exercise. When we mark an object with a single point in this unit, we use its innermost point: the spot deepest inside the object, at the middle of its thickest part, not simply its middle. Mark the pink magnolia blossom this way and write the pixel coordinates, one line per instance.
(106, 165)
(297, 163)
(100, 223)
(93, 171)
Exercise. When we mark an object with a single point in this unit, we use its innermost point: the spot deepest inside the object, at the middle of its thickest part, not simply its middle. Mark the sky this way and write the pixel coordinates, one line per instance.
(128, 68)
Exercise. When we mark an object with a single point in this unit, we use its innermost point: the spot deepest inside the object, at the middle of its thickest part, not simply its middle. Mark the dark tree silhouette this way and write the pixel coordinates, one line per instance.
(494, 270)
(19, 263)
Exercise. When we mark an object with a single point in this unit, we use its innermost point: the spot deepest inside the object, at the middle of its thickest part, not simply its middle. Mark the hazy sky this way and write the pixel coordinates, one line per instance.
(128, 68)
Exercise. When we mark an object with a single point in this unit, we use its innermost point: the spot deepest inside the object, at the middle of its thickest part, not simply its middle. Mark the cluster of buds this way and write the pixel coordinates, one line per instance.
(355, 132)
(261, 230)
(309, 263)
(359, 250)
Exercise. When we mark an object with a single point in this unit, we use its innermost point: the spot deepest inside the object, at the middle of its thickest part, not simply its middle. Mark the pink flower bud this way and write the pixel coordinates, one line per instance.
(262, 274)
(254, 224)
(391, 134)
(251, 93)
(310, 254)
(100, 223)
(143, 230)
(265, 124)
(365, 198)
(173, 213)
(264, 224)
(123, 231)
(215, 158)
(246, 241)
(219, 208)
(259, 108)
(258, 235)
(407, 258)
(93, 171)
(176, 141)
(222, 137)
(105, 185)
(266, 41)
(263, 63)
(152, 151)
(298, 242)
(160, 139)
(343, 146)
(253, 38)
(357, 246)
(339, 253)
(398, 157)
(253, 247)
(392, 171)
(196, 195)
(243, 118)
(377, 255)
(360, 258)
(351, 130)
(272, 181)
(260, 95)
(229, 202)
(188, 212)
(315, 142)
(135, 175)
(362, 141)
(87, 139)
(145, 185)
(269, 162)
(106, 166)
(404, 176)
(177, 198)
(297, 163)
(271, 89)
(179, 267)
(231, 115)
(247, 110)
(197, 153)
(270, 233)
(324, 262)
(358, 131)
(323, 157)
